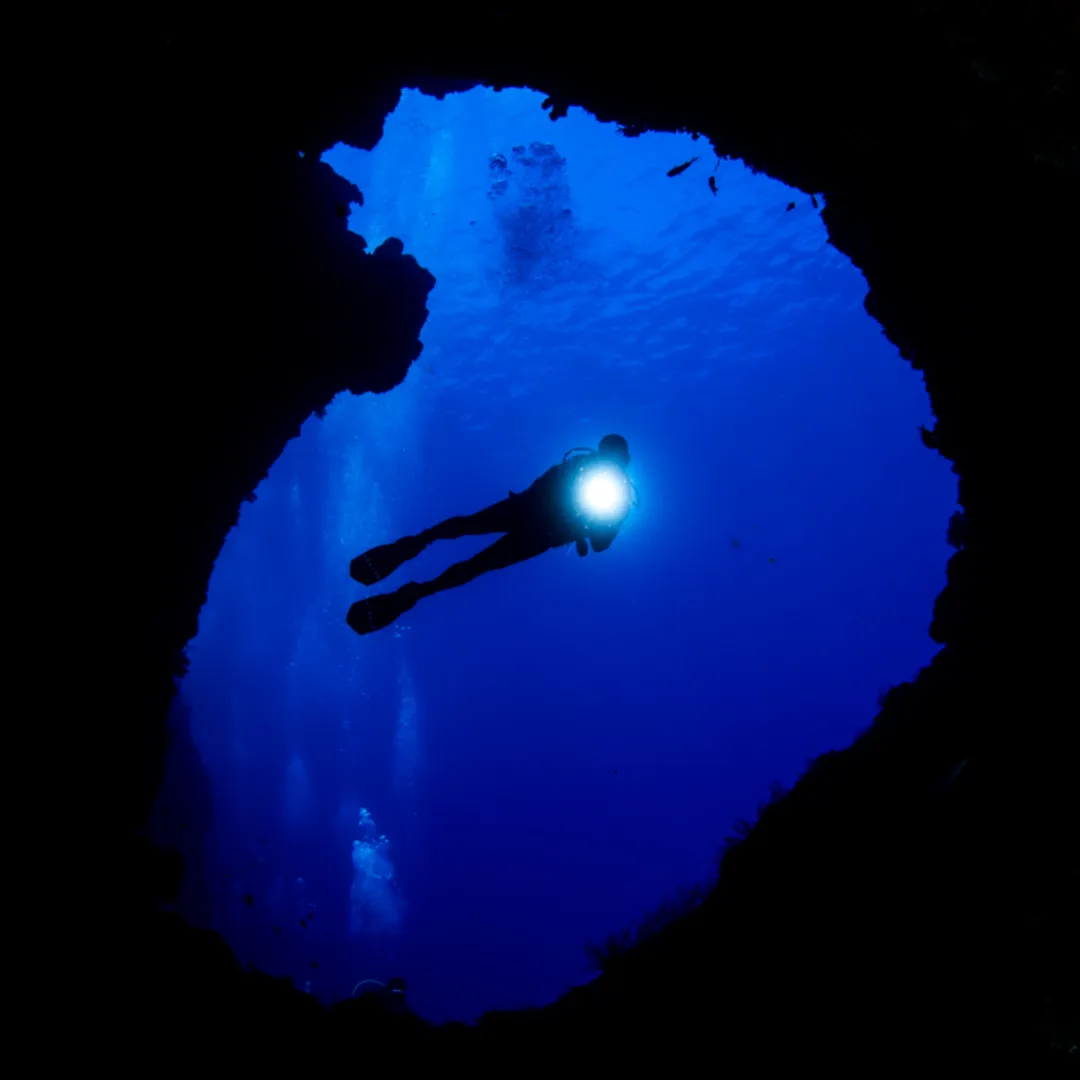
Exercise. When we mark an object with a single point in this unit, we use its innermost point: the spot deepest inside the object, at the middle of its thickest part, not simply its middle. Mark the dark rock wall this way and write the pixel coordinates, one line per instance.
(890, 906)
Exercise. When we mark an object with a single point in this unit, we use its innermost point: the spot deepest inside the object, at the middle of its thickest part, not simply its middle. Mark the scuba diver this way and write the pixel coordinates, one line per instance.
(583, 500)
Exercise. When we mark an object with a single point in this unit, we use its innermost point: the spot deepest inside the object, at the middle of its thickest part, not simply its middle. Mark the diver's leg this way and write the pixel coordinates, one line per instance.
(376, 612)
(513, 548)
(382, 561)
(500, 517)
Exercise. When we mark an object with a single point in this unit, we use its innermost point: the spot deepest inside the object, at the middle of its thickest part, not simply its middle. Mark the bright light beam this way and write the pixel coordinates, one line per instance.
(602, 494)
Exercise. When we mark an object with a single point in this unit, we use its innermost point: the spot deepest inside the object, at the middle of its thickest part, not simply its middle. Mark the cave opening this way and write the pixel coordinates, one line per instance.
(556, 747)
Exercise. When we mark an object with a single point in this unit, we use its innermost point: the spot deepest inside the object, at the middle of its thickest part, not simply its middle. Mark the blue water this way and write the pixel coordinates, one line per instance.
(550, 751)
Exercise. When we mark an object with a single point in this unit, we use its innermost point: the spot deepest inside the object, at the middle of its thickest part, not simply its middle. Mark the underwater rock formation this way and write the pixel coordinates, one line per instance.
(888, 909)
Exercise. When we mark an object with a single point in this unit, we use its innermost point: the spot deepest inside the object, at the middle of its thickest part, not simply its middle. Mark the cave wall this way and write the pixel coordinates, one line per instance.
(944, 140)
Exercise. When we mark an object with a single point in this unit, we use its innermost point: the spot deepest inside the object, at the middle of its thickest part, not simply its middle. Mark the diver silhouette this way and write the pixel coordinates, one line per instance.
(583, 500)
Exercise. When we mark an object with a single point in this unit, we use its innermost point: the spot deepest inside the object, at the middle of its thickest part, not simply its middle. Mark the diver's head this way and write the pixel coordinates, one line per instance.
(616, 448)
